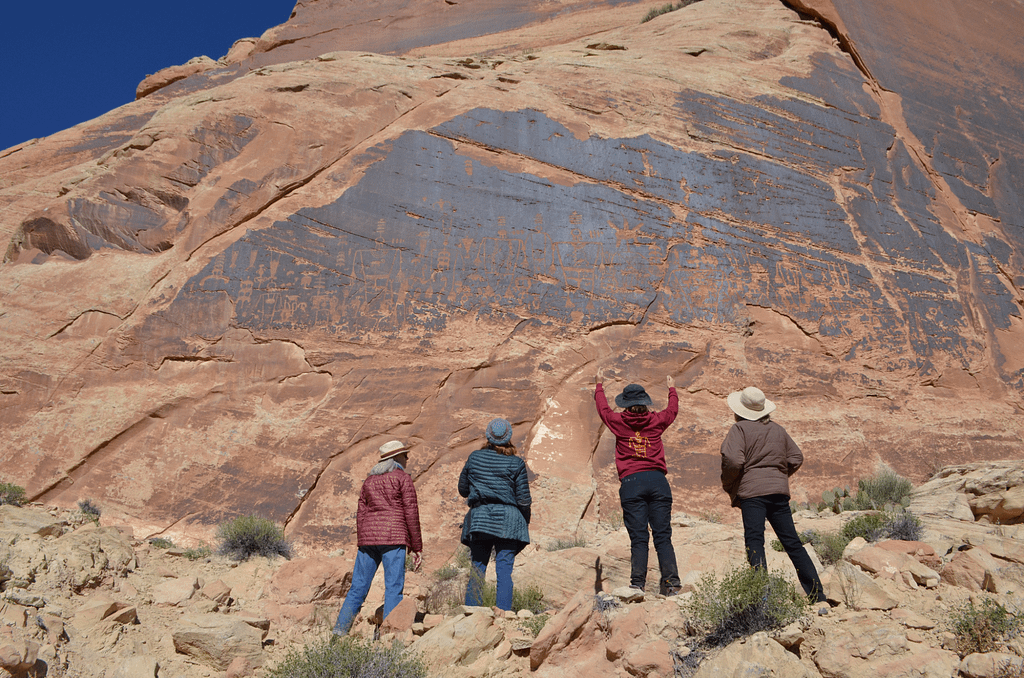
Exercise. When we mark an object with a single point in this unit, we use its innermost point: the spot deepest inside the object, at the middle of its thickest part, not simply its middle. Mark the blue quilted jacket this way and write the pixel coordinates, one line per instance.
(498, 493)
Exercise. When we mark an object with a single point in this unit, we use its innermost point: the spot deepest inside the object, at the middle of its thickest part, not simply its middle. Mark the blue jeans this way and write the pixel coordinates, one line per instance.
(504, 559)
(775, 509)
(367, 560)
(647, 500)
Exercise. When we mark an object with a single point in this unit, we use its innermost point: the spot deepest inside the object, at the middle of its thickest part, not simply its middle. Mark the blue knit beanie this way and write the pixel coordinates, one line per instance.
(499, 432)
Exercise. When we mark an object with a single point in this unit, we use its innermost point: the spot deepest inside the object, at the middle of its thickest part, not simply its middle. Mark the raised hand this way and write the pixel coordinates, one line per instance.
(670, 381)
(599, 378)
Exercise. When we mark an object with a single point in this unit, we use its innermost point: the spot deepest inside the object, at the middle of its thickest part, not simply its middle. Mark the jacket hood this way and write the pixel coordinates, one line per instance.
(636, 421)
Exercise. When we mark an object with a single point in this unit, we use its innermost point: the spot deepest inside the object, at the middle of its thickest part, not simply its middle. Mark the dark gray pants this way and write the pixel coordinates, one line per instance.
(647, 500)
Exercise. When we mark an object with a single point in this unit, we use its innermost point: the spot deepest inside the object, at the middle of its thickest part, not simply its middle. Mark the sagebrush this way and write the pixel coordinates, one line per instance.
(745, 601)
(984, 627)
(248, 536)
(348, 657)
(12, 494)
(560, 544)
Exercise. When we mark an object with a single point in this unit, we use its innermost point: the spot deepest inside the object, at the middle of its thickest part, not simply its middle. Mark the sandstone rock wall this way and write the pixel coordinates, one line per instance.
(222, 297)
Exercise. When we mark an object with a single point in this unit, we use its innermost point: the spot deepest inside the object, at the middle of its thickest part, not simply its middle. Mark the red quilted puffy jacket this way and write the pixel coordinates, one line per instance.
(388, 512)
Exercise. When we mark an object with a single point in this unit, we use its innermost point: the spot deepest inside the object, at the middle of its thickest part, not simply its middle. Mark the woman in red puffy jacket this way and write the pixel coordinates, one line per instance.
(387, 525)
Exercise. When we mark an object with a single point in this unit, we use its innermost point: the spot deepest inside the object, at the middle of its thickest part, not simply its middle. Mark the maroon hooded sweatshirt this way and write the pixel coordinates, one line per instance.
(638, 444)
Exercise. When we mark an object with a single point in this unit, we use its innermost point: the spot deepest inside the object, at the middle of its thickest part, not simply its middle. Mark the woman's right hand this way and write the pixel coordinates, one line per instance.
(670, 381)
(599, 378)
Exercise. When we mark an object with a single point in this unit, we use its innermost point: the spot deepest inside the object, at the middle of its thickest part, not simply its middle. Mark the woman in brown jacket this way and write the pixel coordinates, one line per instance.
(387, 523)
(758, 457)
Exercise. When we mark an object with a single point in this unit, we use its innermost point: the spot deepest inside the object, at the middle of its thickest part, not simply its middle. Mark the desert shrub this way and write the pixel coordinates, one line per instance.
(567, 543)
(446, 573)
(12, 494)
(805, 538)
(603, 603)
(462, 558)
(198, 552)
(161, 543)
(829, 546)
(348, 657)
(905, 526)
(665, 9)
(982, 628)
(248, 536)
(530, 597)
(535, 624)
(885, 487)
(870, 526)
(711, 516)
(444, 595)
(745, 601)
(90, 510)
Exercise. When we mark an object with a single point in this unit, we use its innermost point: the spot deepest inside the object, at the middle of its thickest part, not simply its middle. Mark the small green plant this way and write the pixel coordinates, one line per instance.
(561, 544)
(248, 536)
(462, 558)
(90, 510)
(982, 628)
(198, 553)
(711, 516)
(743, 602)
(12, 494)
(446, 573)
(884, 487)
(348, 657)
(829, 546)
(665, 9)
(535, 624)
(614, 520)
(870, 526)
(529, 597)
(161, 543)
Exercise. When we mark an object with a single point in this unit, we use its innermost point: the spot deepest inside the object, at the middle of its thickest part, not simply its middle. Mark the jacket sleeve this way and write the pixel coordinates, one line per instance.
(732, 459)
(522, 491)
(794, 457)
(412, 514)
(603, 410)
(673, 404)
(464, 480)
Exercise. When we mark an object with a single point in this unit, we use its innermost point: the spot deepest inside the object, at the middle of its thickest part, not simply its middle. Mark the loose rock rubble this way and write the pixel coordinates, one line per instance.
(94, 601)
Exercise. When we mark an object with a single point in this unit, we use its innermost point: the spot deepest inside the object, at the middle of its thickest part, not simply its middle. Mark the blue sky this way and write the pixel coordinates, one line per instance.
(67, 62)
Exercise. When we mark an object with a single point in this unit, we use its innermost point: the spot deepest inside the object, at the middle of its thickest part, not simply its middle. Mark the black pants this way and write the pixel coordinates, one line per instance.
(647, 500)
(775, 509)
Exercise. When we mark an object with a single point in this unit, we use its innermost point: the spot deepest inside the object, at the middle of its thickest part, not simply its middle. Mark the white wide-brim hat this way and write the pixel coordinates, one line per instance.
(392, 449)
(750, 403)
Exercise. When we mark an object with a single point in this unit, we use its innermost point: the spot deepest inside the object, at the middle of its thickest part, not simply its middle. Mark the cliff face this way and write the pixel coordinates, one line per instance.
(385, 220)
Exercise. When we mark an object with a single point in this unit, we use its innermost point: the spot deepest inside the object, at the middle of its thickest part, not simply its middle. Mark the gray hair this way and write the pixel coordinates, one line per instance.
(386, 466)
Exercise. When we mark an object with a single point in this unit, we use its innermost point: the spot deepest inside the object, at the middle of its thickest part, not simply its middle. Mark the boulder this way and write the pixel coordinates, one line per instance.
(401, 618)
(850, 585)
(991, 665)
(175, 592)
(459, 640)
(757, 655)
(305, 580)
(20, 521)
(91, 555)
(885, 561)
(570, 623)
(217, 591)
(965, 570)
(217, 639)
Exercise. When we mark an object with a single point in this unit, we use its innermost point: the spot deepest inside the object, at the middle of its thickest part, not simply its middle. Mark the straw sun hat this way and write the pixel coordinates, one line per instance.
(392, 449)
(750, 403)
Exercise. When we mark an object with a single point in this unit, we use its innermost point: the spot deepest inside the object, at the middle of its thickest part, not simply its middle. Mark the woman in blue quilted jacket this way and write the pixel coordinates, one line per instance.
(495, 484)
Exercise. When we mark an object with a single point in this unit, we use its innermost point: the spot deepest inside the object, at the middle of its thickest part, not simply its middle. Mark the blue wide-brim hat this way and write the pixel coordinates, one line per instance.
(499, 432)
(634, 394)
